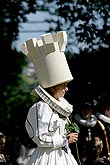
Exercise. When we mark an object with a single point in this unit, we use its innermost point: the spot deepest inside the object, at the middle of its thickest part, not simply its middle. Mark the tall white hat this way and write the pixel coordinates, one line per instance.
(47, 55)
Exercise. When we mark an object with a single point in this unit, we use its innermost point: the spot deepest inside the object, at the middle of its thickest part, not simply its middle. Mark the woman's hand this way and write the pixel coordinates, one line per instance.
(72, 137)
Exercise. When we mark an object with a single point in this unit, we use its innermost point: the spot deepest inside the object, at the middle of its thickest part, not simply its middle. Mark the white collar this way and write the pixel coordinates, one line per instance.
(103, 117)
(61, 106)
(88, 123)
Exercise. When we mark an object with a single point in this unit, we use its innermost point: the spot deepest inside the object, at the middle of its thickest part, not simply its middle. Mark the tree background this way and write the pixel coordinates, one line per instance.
(87, 23)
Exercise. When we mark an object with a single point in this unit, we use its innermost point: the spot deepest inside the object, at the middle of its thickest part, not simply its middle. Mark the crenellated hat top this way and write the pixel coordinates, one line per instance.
(47, 55)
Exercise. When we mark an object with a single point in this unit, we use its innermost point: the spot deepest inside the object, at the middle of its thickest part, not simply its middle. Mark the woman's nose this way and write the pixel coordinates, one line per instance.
(66, 88)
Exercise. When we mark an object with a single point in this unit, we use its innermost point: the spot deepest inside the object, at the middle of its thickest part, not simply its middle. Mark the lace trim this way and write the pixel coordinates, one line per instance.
(88, 123)
(61, 106)
(103, 117)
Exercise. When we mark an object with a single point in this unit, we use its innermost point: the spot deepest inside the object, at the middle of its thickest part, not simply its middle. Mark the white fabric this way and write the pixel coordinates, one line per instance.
(103, 117)
(47, 55)
(62, 106)
(88, 123)
(47, 130)
(24, 155)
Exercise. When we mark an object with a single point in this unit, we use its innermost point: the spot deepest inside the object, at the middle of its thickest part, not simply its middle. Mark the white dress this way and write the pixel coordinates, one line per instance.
(47, 130)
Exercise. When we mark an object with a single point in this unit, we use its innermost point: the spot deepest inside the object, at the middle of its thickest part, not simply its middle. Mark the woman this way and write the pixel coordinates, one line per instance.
(103, 115)
(90, 127)
(47, 118)
(49, 127)
(4, 158)
(95, 148)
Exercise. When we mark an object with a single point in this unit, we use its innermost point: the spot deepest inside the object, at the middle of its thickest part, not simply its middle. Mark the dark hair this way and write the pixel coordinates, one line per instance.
(2, 135)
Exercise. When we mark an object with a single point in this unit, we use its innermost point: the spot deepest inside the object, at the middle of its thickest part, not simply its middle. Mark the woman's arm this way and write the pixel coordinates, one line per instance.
(39, 119)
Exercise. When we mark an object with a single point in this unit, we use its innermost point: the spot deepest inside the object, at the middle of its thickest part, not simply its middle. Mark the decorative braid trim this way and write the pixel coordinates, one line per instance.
(61, 106)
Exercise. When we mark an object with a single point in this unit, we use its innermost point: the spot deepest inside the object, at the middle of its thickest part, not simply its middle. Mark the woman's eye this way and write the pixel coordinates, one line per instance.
(65, 84)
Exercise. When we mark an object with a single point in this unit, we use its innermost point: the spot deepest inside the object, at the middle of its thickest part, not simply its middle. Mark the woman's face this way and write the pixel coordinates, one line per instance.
(59, 90)
(107, 112)
(2, 144)
(86, 113)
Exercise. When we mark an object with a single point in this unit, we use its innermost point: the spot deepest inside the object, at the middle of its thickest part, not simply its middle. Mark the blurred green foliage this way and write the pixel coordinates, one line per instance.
(89, 66)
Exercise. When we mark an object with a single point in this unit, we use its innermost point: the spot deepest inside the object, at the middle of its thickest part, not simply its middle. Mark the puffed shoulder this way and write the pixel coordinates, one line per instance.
(39, 112)
(40, 103)
(41, 108)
